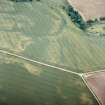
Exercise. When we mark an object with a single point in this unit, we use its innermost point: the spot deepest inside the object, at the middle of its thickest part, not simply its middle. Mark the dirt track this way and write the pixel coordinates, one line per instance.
(96, 82)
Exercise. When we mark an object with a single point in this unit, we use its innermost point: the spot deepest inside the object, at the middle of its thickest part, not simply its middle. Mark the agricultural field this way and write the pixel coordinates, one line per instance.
(93, 82)
(42, 31)
(89, 9)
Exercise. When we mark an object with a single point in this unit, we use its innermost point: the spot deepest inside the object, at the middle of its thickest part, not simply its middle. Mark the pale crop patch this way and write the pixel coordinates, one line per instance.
(14, 41)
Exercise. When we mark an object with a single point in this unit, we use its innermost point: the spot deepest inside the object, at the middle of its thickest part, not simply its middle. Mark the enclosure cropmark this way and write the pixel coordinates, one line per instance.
(93, 80)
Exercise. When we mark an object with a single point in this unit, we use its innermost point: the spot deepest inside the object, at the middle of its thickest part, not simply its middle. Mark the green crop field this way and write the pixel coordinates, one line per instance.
(42, 31)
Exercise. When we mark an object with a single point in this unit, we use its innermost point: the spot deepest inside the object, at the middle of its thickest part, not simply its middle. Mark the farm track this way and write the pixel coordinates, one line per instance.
(40, 63)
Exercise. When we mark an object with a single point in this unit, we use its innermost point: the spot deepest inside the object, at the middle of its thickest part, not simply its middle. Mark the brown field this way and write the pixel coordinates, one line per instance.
(96, 83)
(89, 9)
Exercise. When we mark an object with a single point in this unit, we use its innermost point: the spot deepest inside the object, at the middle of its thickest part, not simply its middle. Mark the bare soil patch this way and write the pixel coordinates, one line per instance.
(96, 83)
(89, 8)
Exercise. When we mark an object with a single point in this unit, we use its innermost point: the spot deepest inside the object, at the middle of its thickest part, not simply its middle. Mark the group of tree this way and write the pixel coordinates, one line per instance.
(21, 0)
(75, 17)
